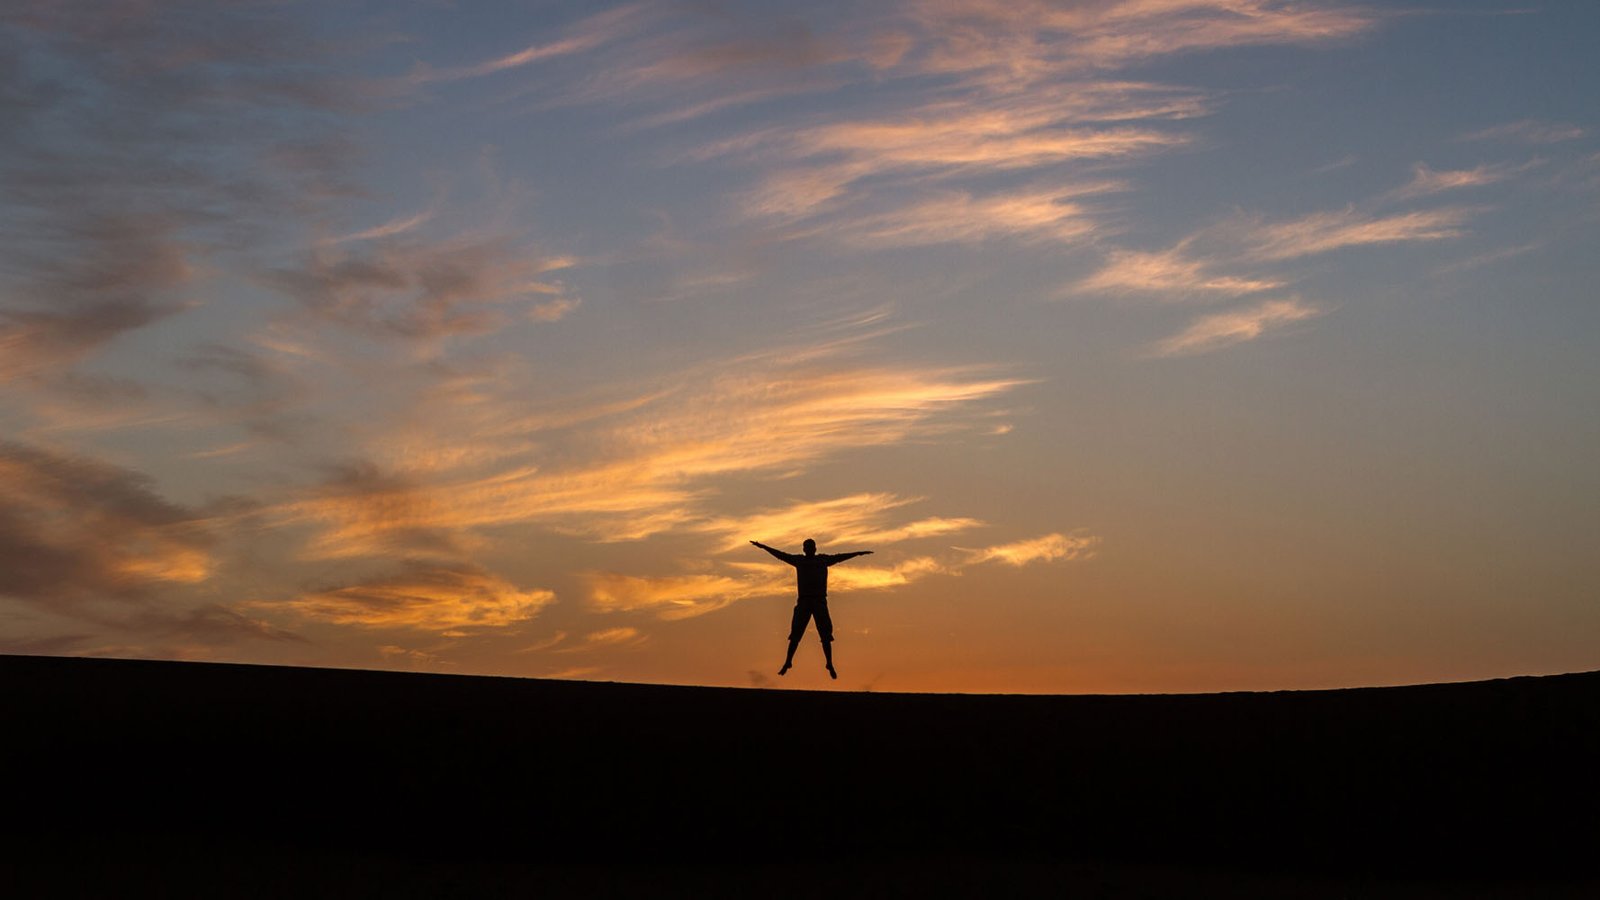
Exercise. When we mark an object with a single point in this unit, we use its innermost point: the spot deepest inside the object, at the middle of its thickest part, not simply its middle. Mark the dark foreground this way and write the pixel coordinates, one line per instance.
(125, 778)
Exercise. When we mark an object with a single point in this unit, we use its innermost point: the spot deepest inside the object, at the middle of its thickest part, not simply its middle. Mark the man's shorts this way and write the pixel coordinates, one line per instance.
(806, 609)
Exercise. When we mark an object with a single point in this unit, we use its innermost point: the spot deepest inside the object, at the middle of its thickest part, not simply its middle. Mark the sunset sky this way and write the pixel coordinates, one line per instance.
(1152, 345)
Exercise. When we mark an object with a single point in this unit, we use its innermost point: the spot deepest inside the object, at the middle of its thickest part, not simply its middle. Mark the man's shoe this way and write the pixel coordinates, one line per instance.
(785, 669)
(832, 674)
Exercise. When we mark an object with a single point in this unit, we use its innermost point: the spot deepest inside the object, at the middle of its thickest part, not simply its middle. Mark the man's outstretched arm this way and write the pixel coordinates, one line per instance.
(786, 557)
(834, 558)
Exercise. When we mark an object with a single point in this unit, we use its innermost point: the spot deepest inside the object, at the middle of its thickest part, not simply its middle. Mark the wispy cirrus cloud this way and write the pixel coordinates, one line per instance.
(814, 171)
(1324, 232)
(584, 35)
(1170, 273)
(1218, 330)
(1426, 180)
(1488, 257)
(961, 217)
(1203, 264)
(1047, 548)
(390, 228)
(979, 43)
(644, 467)
(1012, 41)
(1020, 89)
(964, 137)
(1030, 94)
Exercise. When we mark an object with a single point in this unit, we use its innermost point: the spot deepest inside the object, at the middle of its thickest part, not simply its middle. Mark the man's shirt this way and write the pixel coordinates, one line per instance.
(811, 573)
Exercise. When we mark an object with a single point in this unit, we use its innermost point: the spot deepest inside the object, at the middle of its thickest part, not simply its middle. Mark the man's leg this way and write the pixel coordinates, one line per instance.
(797, 627)
(825, 631)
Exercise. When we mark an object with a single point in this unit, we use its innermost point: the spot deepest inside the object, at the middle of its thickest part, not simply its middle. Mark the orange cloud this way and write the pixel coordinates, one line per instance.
(424, 597)
(73, 528)
(1167, 272)
(612, 637)
(1048, 548)
(681, 596)
(984, 138)
(876, 578)
(855, 519)
(684, 596)
(962, 217)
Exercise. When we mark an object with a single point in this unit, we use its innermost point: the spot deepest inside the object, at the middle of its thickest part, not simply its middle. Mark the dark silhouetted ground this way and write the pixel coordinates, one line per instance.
(191, 779)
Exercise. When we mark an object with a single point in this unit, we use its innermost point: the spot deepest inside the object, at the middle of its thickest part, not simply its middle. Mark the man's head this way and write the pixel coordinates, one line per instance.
(810, 547)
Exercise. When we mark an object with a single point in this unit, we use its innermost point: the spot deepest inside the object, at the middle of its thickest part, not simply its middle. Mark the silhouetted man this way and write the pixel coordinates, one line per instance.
(811, 575)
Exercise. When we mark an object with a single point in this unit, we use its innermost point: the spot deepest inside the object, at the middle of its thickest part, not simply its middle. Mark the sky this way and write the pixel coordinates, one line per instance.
(1151, 345)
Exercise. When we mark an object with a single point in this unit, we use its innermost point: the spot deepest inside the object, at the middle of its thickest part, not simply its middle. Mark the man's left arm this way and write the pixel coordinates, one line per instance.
(836, 558)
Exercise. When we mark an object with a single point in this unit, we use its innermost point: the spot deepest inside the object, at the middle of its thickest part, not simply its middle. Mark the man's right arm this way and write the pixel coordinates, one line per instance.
(778, 553)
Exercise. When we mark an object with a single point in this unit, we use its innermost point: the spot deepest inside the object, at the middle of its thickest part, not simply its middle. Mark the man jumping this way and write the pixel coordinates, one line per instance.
(811, 576)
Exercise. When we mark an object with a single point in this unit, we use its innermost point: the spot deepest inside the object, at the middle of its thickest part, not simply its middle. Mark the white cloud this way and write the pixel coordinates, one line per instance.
(387, 229)
(1528, 131)
(587, 34)
(1425, 180)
